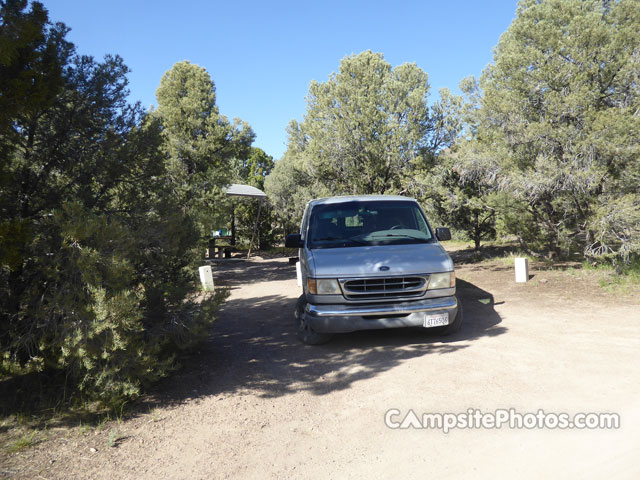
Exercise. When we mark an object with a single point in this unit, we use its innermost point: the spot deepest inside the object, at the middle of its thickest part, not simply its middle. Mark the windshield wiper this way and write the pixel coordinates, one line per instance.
(344, 241)
(327, 239)
(401, 235)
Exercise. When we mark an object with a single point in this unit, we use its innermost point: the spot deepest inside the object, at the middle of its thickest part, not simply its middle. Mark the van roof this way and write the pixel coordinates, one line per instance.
(359, 198)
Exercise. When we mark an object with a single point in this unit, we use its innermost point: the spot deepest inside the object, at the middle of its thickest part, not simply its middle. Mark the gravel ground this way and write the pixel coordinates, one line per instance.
(255, 403)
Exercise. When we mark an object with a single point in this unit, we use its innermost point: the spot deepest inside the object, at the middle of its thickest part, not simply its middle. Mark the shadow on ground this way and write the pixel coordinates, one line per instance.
(253, 346)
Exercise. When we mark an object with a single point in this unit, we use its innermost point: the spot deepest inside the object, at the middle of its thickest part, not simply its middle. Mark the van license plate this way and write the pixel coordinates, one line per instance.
(435, 320)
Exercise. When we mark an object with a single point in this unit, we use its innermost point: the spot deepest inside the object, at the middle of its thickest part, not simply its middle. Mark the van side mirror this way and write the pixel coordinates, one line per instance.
(443, 233)
(293, 241)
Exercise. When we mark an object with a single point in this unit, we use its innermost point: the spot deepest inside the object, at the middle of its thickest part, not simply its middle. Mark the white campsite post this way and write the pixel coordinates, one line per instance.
(206, 277)
(522, 270)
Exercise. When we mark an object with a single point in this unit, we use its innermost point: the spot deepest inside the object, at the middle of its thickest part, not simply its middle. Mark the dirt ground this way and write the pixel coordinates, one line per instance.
(256, 403)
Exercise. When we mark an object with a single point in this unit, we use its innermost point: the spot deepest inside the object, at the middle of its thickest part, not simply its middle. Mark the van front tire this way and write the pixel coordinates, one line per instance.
(305, 333)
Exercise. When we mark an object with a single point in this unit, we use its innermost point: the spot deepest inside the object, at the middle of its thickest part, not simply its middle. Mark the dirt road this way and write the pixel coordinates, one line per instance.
(255, 403)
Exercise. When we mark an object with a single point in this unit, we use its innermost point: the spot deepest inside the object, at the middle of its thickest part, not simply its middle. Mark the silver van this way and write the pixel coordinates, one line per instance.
(369, 262)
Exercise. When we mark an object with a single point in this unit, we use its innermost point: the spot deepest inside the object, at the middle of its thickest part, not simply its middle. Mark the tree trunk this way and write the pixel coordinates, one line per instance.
(477, 232)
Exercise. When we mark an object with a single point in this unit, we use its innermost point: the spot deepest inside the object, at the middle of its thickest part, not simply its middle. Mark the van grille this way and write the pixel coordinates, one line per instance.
(384, 287)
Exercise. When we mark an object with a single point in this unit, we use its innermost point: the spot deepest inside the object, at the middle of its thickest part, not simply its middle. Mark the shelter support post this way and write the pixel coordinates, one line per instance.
(255, 227)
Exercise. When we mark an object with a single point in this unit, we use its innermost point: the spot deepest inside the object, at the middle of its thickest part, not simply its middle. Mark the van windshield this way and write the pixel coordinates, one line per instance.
(375, 222)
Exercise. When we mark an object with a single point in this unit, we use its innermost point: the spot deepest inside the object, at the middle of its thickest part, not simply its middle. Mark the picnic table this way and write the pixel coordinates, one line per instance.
(221, 246)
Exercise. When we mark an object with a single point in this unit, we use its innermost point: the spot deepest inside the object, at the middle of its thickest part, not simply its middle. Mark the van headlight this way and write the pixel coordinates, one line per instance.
(442, 280)
(323, 286)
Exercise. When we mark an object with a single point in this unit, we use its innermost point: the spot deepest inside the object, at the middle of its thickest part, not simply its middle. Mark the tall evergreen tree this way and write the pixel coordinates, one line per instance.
(253, 171)
(367, 130)
(558, 125)
(201, 144)
(369, 125)
(97, 272)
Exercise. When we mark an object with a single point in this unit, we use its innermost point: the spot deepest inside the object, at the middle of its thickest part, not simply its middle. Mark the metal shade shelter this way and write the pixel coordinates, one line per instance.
(246, 191)
(237, 190)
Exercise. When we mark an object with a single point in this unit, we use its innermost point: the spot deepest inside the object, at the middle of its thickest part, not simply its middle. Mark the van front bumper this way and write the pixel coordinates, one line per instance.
(350, 318)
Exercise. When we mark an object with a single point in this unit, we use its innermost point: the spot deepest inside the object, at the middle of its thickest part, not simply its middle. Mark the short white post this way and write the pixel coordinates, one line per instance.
(206, 277)
(299, 274)
(522, 270)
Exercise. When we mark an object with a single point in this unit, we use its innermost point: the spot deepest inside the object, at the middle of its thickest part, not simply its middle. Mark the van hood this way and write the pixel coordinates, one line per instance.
(366, 261)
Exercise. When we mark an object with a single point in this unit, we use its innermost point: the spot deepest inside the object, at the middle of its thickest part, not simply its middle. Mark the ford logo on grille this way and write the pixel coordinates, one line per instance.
(384, 269)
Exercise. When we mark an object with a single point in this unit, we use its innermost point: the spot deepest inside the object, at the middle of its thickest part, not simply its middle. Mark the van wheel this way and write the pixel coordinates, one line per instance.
(454, 326)
(304, 331)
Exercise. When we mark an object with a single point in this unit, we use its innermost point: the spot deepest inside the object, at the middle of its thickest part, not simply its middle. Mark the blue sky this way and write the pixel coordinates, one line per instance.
(263, 55)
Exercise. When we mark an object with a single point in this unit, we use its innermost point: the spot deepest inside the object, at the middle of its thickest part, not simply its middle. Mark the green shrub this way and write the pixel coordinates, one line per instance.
(99, 246)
